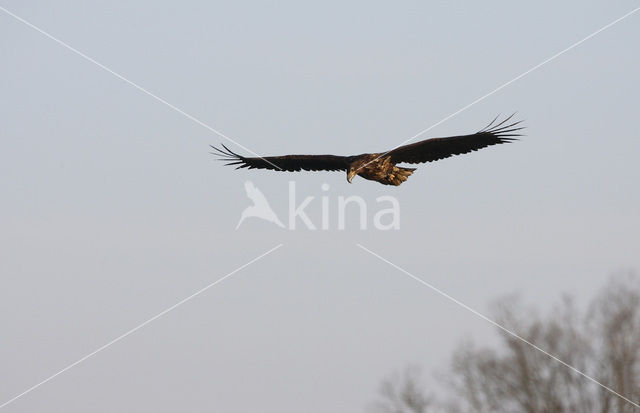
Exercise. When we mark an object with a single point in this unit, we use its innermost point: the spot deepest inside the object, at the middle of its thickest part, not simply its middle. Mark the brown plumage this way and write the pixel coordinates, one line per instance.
(382, 167)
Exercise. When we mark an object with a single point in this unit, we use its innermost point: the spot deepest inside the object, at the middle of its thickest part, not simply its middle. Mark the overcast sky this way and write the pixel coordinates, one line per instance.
(113, 210)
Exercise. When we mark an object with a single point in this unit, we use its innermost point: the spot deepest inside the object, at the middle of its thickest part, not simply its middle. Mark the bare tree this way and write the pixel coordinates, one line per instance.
(603, 342)
(403, 393)
(614, 318)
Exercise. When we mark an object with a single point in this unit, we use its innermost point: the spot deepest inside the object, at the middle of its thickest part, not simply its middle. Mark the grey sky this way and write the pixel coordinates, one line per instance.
(113, 209)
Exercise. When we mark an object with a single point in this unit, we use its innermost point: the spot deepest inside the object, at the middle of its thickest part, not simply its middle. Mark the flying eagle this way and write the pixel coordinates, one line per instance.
(382, 166)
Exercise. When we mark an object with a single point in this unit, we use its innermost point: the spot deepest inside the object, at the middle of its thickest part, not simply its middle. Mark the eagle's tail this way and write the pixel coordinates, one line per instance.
(401, 174)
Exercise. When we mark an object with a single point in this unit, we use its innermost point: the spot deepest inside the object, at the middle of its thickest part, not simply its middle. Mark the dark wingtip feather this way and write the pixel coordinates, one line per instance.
(227, 155)
(490, 123)
(504, 130)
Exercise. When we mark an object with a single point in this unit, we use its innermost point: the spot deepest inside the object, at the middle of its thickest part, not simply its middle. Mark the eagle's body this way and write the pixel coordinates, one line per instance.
(382, 167)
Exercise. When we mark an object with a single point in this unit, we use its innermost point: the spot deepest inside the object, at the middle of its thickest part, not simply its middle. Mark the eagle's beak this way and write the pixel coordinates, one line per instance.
(350, 175)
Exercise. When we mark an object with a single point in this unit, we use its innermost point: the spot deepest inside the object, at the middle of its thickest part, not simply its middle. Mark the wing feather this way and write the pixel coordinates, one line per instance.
(434, 149)
(288, 163)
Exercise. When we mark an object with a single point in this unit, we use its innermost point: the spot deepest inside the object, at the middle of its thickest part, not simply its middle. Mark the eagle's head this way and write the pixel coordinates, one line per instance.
(351, 172)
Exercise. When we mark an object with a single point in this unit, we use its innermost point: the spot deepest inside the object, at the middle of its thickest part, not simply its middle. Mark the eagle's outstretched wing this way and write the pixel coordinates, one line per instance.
(439, 148)
(288, 163)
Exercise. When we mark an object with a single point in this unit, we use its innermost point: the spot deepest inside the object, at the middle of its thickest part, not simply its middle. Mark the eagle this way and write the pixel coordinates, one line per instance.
(382, 167)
